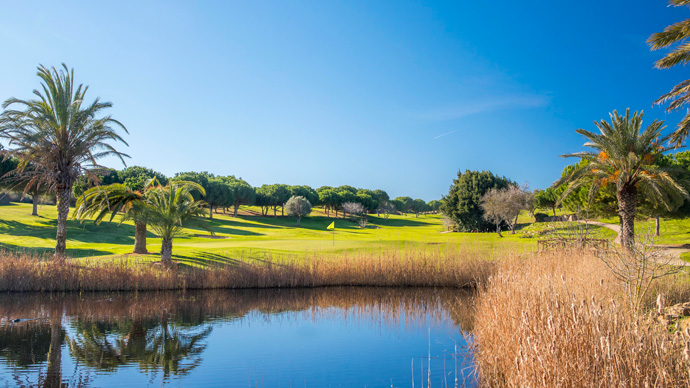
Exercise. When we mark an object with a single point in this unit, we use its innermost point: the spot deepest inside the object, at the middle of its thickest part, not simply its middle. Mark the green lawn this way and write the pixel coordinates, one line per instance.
(246, 236)
(254, 236)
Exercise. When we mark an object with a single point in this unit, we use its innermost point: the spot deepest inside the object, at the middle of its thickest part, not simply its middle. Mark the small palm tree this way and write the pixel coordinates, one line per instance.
(624, 156)
(680, 94)
(168, 209)
(99, 201)
(62, 136)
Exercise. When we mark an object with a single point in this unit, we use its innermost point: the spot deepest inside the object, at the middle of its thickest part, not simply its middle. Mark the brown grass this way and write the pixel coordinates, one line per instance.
(558, 319)
(442, 267)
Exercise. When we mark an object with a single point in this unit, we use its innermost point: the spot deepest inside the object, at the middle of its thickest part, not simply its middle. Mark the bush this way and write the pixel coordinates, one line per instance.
(540, 217)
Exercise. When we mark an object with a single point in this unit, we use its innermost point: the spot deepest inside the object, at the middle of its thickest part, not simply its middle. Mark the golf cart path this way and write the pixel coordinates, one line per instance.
(675, 252)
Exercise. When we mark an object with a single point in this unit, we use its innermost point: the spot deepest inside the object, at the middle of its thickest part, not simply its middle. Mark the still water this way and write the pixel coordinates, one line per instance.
(331, 337)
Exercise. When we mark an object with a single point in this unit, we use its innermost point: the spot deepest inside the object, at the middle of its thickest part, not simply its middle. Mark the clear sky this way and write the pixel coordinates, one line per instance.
(379, 94)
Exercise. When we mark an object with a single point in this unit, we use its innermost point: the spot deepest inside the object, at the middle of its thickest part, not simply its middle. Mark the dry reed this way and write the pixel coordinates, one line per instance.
(560, 320)
(442, 267)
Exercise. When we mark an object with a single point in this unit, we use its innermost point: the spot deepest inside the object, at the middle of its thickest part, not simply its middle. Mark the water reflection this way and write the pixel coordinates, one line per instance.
(165, 336)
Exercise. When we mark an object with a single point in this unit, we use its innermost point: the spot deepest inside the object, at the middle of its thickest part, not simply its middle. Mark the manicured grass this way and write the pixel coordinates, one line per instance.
(245, 236)
(672, 231)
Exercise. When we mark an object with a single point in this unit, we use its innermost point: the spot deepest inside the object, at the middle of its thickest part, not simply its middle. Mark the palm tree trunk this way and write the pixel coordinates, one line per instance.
(34, 202)
(53, 377)
(63, 196)
(140, 237)
(656, 218)
(166, 252)
(627, 208)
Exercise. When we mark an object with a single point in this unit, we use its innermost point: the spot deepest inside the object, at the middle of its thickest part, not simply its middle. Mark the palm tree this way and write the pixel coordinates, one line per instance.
(624, 157)
(680, 94)
(168, 209)
(62, 136)
(99, 201)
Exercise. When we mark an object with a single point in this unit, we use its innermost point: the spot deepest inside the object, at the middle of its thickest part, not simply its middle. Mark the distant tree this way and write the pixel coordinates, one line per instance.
(305, 191)
(434, 205)
(196, 177)
(492, 203)
(346, 188)
(354, 209)
(405, 203)
(386, 208)
(103, 177)
(398, 205)
(419, 206)
(12, 179)
(244, 193)
(275, 195)
(135, 177)
(218, 194)
(329, 199)
(367, 201)
(462, 204)
(262, 200)
(380, 195)
(546, 199)
(298, 206)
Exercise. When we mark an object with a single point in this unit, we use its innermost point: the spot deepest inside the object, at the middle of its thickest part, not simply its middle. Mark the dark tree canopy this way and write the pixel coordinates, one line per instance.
(462, 204)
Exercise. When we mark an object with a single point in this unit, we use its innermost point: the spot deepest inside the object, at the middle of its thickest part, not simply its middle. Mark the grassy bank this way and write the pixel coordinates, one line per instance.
(560, 320)
(444, 266)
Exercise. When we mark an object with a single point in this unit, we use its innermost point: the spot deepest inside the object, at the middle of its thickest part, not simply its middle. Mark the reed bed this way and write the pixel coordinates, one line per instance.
(559, 319)
(442, 267)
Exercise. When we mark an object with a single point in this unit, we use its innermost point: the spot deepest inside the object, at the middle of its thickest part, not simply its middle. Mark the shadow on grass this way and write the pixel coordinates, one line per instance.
(48, 252)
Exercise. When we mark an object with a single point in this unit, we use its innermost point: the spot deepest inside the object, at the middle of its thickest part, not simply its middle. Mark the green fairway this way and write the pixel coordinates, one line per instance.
(254, 236)
(249, 236)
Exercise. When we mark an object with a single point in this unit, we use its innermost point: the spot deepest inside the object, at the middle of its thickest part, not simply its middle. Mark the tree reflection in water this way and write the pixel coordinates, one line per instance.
(165, 333)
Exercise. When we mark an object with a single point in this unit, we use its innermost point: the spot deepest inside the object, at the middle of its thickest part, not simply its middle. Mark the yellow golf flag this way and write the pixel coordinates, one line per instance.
(331, 226)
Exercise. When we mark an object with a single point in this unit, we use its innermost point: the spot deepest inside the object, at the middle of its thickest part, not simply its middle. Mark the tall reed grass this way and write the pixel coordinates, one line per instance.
(443, 267)
(559, 319)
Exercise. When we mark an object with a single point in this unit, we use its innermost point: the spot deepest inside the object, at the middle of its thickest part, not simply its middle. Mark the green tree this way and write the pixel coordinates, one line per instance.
(434, 205)
(244, 193)
(623, 156)
(298, 206)
(679, 96)
(275, 195)
(99, 201)
(419, 206)
(462, 204)
(219, 193)
(328, 198)
(305, 191)
(546, 199)
(136, 177)
(62, 136)
(405, 202)
(169, 209)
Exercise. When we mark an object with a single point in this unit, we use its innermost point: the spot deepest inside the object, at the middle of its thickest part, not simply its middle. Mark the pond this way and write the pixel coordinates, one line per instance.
(329, 337)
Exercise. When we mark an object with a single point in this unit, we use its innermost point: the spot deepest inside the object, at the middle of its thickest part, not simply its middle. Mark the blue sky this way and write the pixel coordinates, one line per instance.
(383, 94)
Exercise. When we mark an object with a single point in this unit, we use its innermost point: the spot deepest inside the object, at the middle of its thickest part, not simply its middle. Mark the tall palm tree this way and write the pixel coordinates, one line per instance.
(169, 209)
(680, 94)
(99, 201)
(623, 156)
(62, 135)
